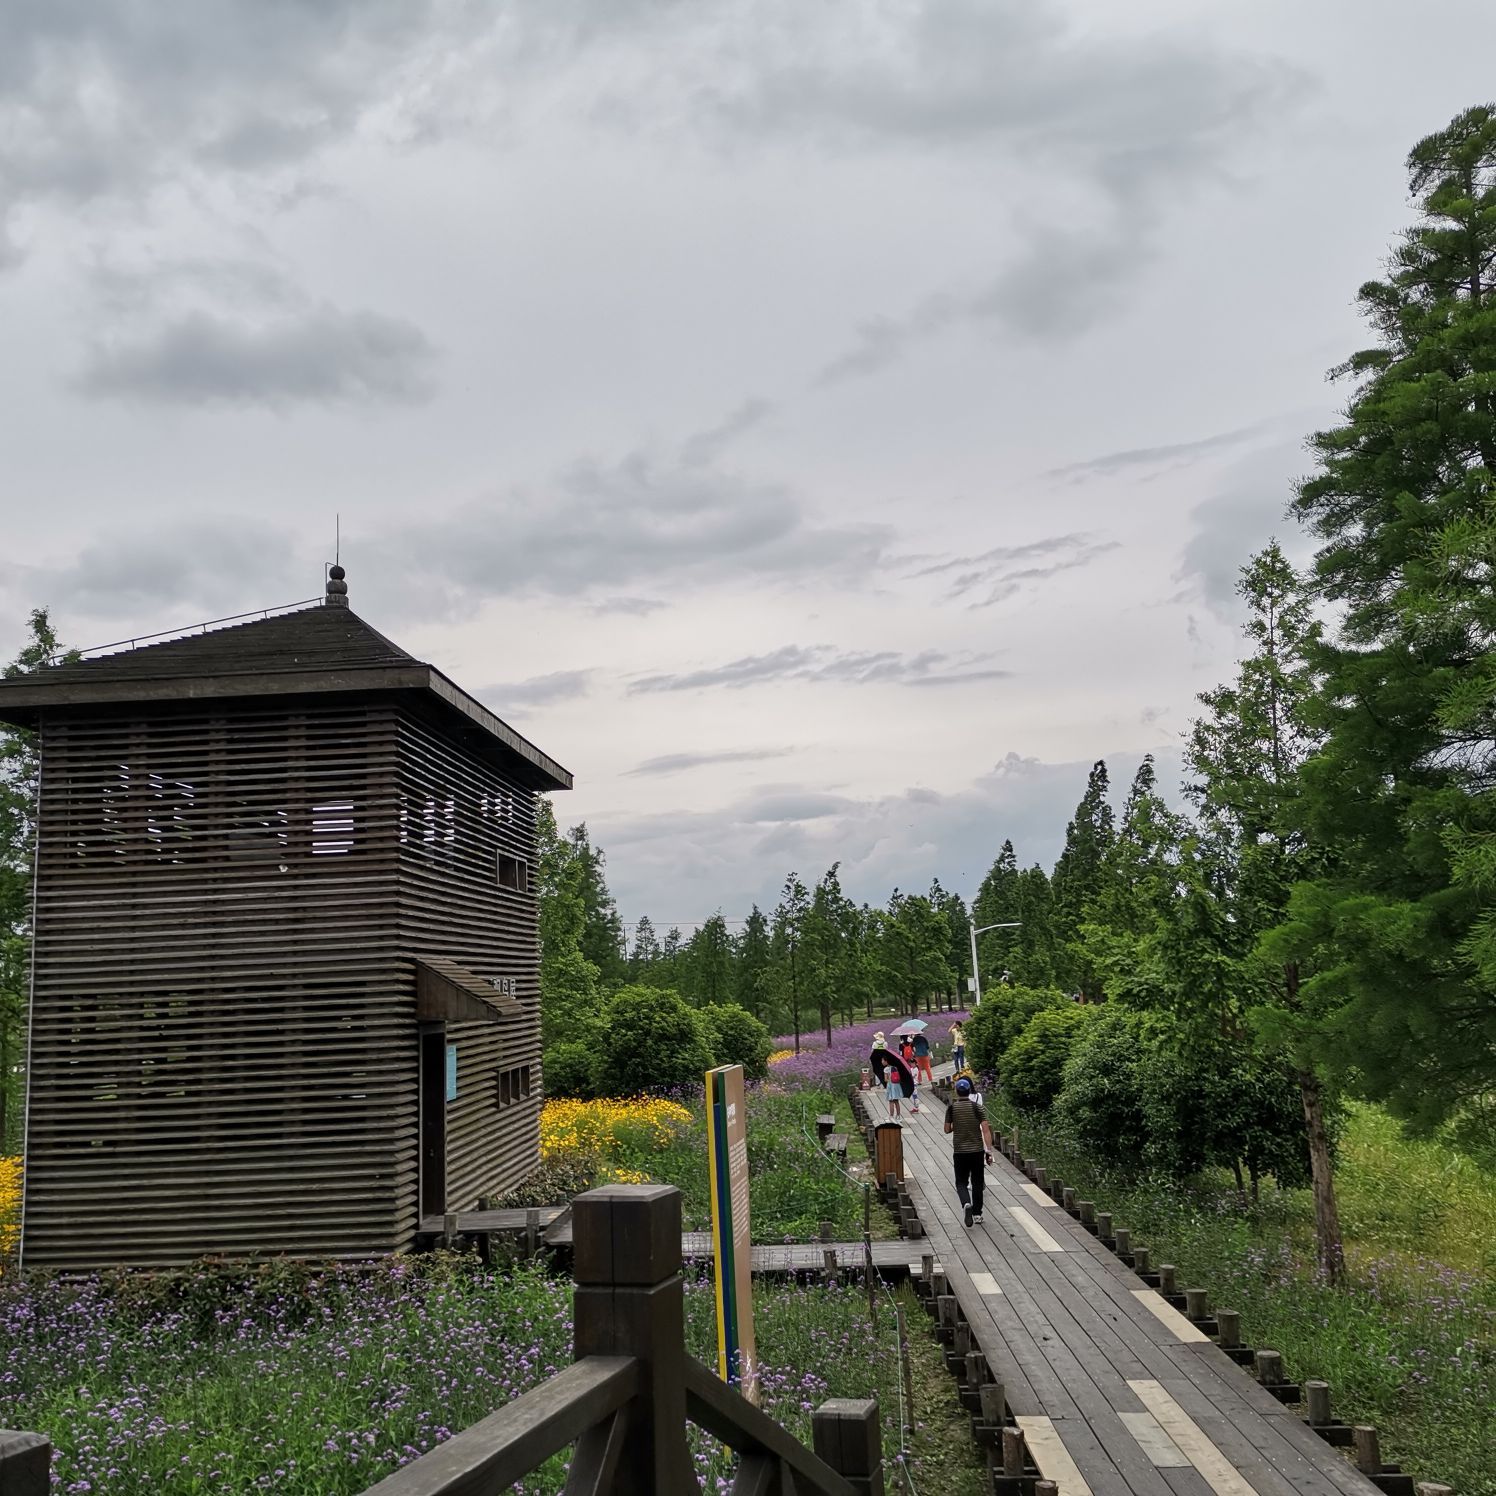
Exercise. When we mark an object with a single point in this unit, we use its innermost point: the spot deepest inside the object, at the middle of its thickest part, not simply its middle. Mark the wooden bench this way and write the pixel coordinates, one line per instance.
(837, 1144)
(825, 1126)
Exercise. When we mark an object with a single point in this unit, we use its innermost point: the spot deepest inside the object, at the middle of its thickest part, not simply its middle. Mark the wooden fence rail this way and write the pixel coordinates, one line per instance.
(624, 1404)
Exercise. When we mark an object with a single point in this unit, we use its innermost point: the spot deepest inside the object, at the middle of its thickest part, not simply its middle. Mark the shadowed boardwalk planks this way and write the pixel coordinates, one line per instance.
(1118, 1394)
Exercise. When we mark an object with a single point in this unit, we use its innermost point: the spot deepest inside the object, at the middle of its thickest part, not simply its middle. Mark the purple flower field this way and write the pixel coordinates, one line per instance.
(820, 1065)
(320, 1384)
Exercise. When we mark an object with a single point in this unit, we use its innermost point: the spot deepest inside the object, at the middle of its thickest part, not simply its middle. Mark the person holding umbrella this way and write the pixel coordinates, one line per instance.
(893, 1073)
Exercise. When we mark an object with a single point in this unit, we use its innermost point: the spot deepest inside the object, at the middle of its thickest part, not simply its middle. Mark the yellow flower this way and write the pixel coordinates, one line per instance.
(10, 1203)
(781, 1055)
(571, 1126)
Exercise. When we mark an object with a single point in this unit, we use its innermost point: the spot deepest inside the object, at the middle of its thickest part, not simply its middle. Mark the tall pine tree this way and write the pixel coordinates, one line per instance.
(1079, 878)
(1392, 926)
(1244, 759)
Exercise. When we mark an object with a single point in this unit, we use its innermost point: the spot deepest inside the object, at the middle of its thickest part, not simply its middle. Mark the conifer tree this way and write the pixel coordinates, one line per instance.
(1400, 792)
(1079, 877)
(708, 963)
(20, 774)
(1245, 758)
(752, 964)
(788, 931)
(997, 903)
(602, 929)
(645, 952)
(1033, 961)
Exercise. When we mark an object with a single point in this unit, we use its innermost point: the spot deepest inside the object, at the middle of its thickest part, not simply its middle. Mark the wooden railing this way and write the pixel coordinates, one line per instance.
(624, 1404)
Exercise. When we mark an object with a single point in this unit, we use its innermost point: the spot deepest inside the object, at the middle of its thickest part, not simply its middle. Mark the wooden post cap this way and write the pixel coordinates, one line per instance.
(1046, 1488)
(1104, 1224)
(1368, 1449)
(626, 1234)
(1123, 1237)
(1433, 1488)
(1317, 1401)
(1013, 1451)
(25, 1463)
(1141, 1257)
(994, 1403)
(1166, 1280)
(1269, 1367)
(1228, 1328)
(1197, 1303)
(845, 1433)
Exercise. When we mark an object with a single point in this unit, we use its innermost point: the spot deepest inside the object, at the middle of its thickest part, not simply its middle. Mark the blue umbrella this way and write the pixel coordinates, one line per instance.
(911, 1026)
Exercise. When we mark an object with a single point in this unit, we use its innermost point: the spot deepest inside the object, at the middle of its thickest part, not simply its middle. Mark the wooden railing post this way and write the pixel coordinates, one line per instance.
(629, 1301)
(845, 1433)
(25, 1463)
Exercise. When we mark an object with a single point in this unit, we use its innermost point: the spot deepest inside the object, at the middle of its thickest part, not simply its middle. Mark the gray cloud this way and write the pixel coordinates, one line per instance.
(823, 664)
(705, 446)
(599, 527)
(739, 853)
(628, 607)
(1177, 454)
(1120, 128)
(1060, 284)
(538, 690)
(677, 763)
(1002, 572)
(116, 101)
(321, 355)
(210, 567)
(1249, 508)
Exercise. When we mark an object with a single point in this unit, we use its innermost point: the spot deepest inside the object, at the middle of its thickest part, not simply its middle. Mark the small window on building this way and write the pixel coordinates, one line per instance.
(514, 1085)
(514, 873)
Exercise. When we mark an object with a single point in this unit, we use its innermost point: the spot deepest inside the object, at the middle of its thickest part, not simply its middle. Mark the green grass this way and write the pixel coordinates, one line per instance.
(314, 1383)
(1408, 1344)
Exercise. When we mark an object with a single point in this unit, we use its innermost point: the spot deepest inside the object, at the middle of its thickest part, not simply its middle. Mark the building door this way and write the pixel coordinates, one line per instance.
(433, 1120)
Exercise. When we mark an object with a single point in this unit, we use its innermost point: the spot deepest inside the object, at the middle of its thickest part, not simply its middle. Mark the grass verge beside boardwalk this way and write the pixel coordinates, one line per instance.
(314, 1383)
(1408, 1344)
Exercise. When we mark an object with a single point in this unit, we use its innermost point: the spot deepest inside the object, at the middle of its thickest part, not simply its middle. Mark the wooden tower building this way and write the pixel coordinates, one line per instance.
(285, 987)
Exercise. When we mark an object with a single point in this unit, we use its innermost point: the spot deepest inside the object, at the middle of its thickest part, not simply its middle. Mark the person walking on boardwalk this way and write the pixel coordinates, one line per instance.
(958, 1047)
(922, 1068)
(971, 1145)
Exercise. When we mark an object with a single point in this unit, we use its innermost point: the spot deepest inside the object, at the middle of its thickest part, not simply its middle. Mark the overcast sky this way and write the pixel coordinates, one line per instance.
(824, 428)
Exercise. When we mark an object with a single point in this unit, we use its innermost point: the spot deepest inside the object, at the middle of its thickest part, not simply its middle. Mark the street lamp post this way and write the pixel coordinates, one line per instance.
(976, 976)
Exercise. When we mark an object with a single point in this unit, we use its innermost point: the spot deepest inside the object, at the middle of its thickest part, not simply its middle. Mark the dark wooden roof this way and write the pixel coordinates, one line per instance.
(449, 993)
(312, 650)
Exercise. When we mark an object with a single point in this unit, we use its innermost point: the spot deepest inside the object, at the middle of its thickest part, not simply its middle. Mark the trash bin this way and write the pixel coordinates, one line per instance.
(888, 1151)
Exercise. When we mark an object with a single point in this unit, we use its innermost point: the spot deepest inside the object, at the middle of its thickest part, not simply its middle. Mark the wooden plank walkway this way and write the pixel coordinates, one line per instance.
(1117, 1395)
(891, 1259)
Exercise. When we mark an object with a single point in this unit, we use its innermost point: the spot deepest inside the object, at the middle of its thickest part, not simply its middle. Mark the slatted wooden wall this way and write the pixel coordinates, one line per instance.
(457, 814)
(223, 1052)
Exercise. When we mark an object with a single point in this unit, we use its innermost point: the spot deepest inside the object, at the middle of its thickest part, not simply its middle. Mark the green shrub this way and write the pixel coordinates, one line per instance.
(570, 1069)
(1101, 1094)
(1002, 1015)
(651, 1041)
(1033, 1066)
(1221, 1104)
(737, 1038)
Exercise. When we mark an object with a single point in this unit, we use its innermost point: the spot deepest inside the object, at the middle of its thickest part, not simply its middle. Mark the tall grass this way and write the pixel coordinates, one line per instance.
(1407, 1343)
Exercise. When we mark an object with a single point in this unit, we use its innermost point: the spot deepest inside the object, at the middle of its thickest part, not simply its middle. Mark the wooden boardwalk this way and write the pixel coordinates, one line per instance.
(1118, 1394)
(891, 1259)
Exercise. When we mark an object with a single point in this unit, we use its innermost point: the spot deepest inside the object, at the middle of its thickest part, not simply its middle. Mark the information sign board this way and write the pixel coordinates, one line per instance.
(732, 1238)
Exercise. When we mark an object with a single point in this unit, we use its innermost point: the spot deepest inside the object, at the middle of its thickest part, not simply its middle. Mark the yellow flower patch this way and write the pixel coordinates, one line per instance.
(10, 1203)
(571, 1126)
(781, 1055)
